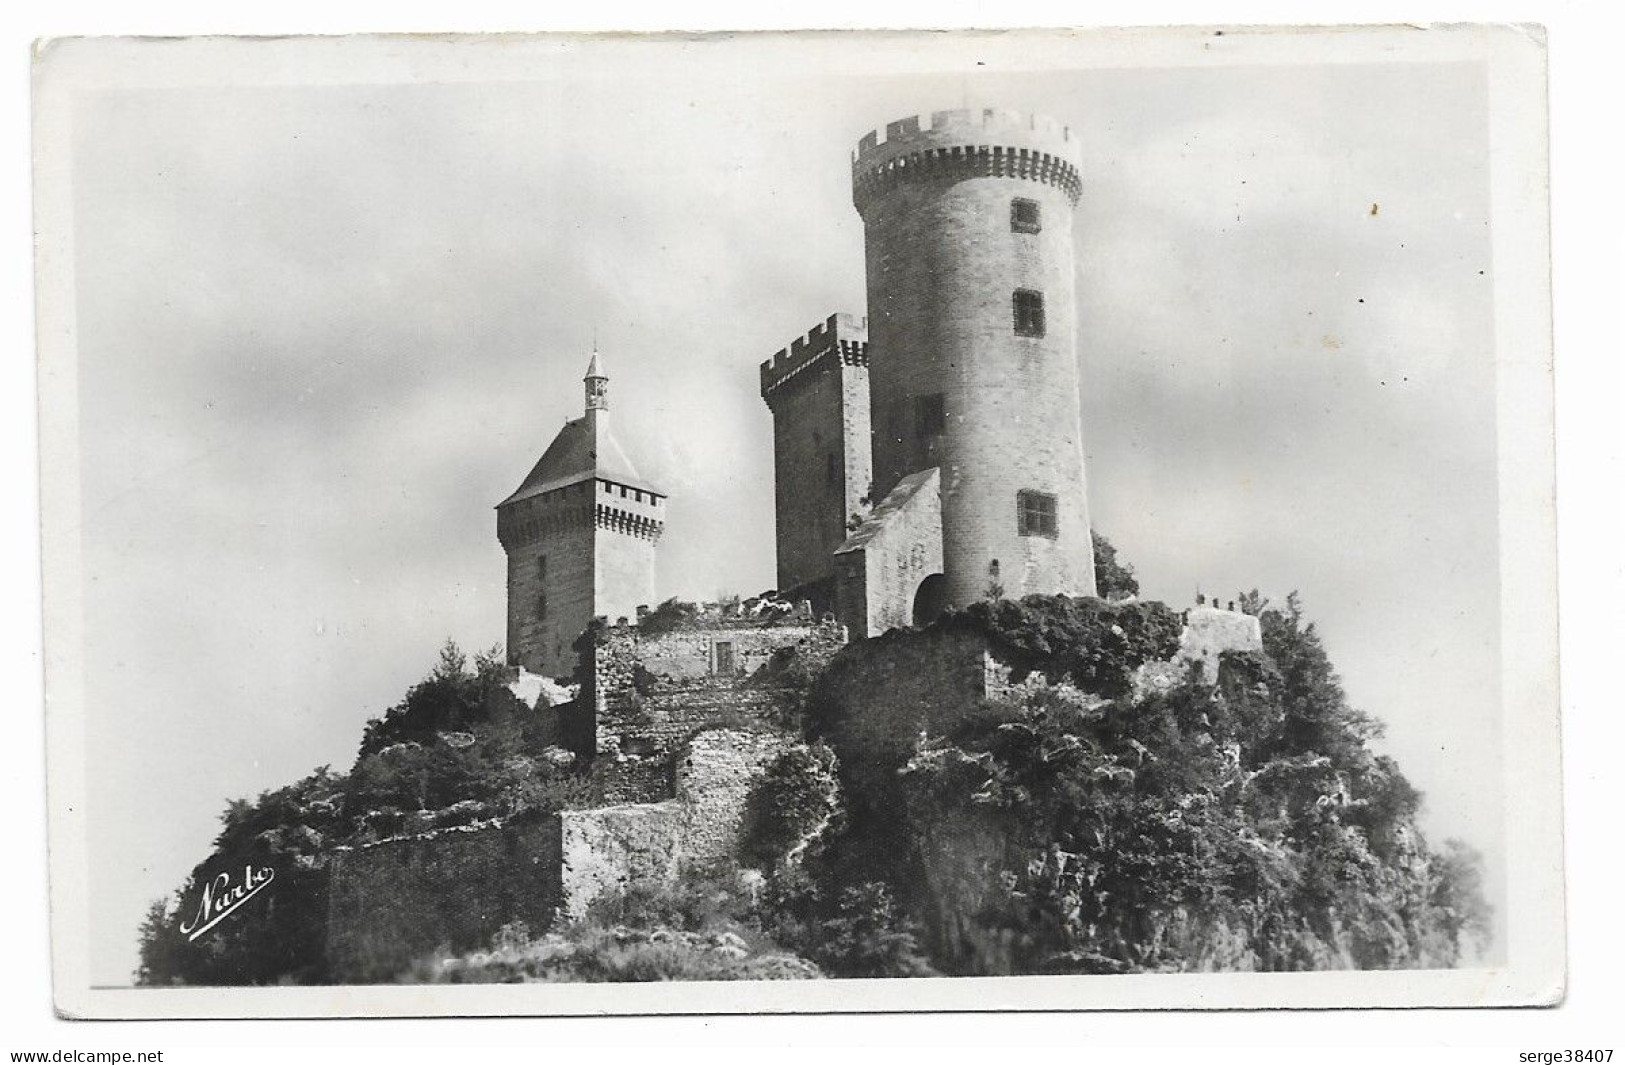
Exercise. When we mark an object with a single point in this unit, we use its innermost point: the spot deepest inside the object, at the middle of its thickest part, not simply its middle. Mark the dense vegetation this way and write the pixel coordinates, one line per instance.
(701, 928)
(1067, 827)
(457, 750)
(1073, 823)
(1114, 579)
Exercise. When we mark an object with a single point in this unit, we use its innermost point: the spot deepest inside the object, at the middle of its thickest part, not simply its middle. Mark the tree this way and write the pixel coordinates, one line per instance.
(1113, 579)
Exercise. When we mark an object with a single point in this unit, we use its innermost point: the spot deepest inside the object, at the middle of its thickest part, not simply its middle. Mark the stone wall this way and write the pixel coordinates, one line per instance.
(650, 693)
(419, 898)
(605, 849)
(397, 902)
(608, 848)
(715, 774)
(911, 681)
(676, 765)
(1209, 632)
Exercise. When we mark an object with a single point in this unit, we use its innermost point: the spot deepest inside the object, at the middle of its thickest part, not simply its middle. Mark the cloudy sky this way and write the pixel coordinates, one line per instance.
(324, 329)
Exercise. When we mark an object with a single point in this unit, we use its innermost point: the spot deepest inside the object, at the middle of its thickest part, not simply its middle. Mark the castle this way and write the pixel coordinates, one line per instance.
(924, 460)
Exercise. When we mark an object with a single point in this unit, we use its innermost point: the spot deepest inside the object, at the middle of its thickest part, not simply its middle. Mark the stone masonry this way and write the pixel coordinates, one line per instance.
(968, 234)
(413, 899)
(580, 535)
(882, 569)
(818, 390)
(971, 370)
(397, 902)
(649, 693)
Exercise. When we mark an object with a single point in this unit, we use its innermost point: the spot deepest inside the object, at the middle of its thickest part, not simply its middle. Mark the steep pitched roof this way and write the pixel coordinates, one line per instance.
(584, 448)
(897, 499)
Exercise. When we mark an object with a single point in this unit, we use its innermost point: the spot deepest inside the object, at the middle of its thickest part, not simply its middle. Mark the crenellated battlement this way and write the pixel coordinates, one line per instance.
(840, 336)
(973, 125)
(968, 128)
(987, 142)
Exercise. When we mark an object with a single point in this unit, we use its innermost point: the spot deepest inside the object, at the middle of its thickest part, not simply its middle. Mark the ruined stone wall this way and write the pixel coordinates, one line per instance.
(639, 741)
(396, 902)
(910, 681)
(652, 692)
(401, 901)
(605, 849)
(1208, 633)
(715, 774)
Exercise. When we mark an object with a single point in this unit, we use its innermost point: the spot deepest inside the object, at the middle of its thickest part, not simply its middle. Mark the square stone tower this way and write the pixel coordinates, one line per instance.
(580, 536)
(818, 390)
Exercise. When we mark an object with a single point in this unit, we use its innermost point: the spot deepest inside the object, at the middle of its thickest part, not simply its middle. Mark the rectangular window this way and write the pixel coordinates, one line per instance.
(1024, 217)
(930, 417)
(1029, 312)
(724, 651)
(541, 567)
(541, 607)
(1035, 514)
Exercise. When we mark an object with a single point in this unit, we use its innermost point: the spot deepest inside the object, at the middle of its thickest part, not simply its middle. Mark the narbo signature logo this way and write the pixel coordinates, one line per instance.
(221, 898)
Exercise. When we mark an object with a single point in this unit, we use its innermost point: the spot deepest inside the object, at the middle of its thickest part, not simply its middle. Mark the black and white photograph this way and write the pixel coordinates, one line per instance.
(1026, 520)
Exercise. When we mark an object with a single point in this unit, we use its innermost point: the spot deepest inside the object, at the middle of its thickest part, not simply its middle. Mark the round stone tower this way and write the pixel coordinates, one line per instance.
(973, 342)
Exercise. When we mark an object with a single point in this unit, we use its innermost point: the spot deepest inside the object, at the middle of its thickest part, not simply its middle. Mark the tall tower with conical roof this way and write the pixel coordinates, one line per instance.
(580, 535)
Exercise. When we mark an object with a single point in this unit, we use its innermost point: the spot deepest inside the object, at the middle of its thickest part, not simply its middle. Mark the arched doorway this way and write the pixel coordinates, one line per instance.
(929, 599)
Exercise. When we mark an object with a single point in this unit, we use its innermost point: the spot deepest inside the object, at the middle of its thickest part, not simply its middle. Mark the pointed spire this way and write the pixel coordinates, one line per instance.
(597, 383)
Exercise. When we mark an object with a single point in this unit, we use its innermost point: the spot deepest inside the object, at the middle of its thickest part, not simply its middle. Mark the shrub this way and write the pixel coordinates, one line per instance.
(1091, 643)
(792, 801)
(587, 953)
(669, 616)
(1113, 579)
